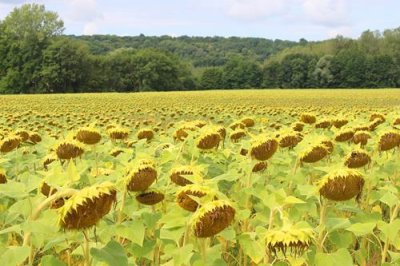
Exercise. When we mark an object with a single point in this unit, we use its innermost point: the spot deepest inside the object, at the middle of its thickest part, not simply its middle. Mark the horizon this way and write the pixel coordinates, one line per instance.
(313, 20)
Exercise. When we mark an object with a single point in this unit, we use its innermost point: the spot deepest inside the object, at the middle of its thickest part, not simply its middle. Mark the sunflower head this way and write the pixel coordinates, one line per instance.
(209, 139)
(263, 147)
(389, 140)
(118, 133)
(23, 134)
(290, 139)
(298, 126)
(150, 197)
(236, 135)
(145, 133)
(212, 218)
(341, 185)
(10, 143)
(340, 122)
(248, 122)
(88, 135)
(344, 135)
(259, 167)
(325, 123)
(177, 174)
(308, 118)
(184, 199)
(314, 153)
(3, 177)
(69, 149)
(86, 207)
(141, 175)
(35, 137)
(357, 158)
(297, 240)
(361, 137)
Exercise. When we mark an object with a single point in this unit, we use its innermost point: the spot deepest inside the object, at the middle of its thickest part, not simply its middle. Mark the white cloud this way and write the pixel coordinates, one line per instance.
(345, 31)
(83, 10)
(331, 13)
(255, 9)
(90, 28)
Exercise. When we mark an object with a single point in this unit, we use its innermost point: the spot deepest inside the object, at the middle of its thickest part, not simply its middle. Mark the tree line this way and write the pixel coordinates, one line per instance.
(35, 57)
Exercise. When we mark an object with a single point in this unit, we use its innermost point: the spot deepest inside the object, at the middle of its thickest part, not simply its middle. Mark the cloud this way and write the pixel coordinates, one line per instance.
(254, 9)
(330, 13)
(83, 10)
(12, 2)
(90, 28)
(345, 31)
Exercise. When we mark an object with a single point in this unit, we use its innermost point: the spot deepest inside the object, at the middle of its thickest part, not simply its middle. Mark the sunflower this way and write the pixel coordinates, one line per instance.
(236, 135)
(389, 140)
(185, 201)
(3, 177)
(344, 135)
(212, 218)
(361, 137)
(69, 149)
(150, 197)
(8, 144)
(263, 147)
(118, 133)
(141, 175)
(314, 153)
(145, 133)
(209, 139)
(88, 135)
(357, 159)
(259, 167)
(297, 240)
(86, 207)
(177, 174)
(35, 137)
(308, 118)
(341, 185)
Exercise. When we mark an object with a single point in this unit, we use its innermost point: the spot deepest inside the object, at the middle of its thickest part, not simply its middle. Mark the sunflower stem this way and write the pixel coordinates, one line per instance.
(86, 251)
(393, 216)
(322, 221)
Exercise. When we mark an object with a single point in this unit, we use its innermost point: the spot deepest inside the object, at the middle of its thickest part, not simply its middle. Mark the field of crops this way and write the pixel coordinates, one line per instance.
(273, 177)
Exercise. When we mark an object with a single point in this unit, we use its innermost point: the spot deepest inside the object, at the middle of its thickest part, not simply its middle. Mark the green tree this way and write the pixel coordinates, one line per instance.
(241, 74)
(323, 72)
(26, 33)
(65, 66)
(211, 78)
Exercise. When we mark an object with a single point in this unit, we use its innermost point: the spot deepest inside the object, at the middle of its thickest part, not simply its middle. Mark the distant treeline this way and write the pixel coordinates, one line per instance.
(35, 57)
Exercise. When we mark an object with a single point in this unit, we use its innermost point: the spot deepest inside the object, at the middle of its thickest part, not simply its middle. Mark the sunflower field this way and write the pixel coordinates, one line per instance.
(270, 177)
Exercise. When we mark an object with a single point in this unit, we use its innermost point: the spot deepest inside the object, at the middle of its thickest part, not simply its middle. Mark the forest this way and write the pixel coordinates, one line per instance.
(37, 57)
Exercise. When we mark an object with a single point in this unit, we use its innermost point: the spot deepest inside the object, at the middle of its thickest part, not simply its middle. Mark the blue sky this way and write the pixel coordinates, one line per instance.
(273, 19)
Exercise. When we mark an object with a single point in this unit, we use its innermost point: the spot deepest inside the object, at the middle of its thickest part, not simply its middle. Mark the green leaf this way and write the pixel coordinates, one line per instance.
(15, 255)
(390, 230)
(389, 199)
(50, 260)
(341, 257)
(113, 254)
(360, 229)
(14, 190)
(252, 248)
(134, 231)
(72, 172)
(293, 200)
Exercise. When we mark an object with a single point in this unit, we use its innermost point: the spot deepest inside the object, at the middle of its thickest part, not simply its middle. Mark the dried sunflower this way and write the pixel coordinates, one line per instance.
(177, 174)
(118, 133)
(141, 176)
(145, 133)
(308, 118)
(150, 197)
(263, 147)
(183, 196)
(344, 135)
(86, 207)
(212, 218)
(69, 149)
(341, 185)
(3, 177)
(389, 140)
(209, 139)
(88, 135)
(357, 159)
(361, 137)
(8, 144)
(297, 240)
(314, 153)
(259, 167)
(35, 137)
(236, 135)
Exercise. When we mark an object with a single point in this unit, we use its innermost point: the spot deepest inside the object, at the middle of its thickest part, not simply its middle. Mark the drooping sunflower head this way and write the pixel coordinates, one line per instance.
(34, 137)
(298, 126)
(183, 196)
(389, 140)
(48, 159)
(314, 153)
(23, 134)
(259, 167)
(9, 143)
(357, 158)
(341, 185)
(182, 132)
(88, 135)
(289, 139)
(209, 139)
(141, 175)
(308, 118)
(69, 149)
(236, 135)
(376, 116)
(324, 123)
(150, 197)
(248, 122)
(87, 206)
(263, 147)
(344, 135)
(212, 218)
(118, 133)
(339, 122)
(297, 240)
(361, 137)
(145, 133)
(3, 177)
(179, 175)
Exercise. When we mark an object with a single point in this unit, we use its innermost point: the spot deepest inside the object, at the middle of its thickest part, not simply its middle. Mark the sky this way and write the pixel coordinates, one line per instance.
(272, 19)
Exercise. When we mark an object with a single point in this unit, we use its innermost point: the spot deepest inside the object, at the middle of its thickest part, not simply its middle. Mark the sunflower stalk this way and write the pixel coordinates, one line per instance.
(393, 216)
(322, 226)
